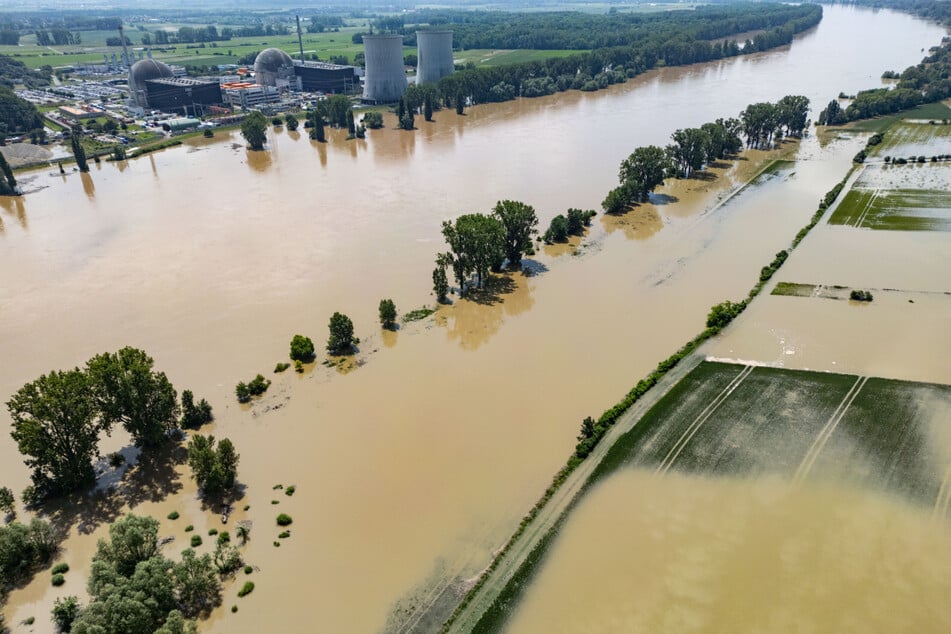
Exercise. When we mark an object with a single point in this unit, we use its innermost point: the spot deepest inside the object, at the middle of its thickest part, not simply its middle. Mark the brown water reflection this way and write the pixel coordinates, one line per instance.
(680, 554)
(424, 458)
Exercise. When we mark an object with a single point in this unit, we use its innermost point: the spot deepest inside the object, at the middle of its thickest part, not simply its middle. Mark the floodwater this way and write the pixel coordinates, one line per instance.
(413, 467)
(688, 554)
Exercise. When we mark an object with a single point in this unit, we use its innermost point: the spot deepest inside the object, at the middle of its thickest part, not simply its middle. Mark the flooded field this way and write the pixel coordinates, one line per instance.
(411, 469)
(702, 554)
(916, 138)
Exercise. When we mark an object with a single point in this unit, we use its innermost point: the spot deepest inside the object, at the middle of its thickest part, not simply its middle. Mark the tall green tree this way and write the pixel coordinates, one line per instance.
(689, 150)
(132, 540)
(645, 170)
(291, 121)
(340, 340)
(351, 126)
(129, 392)
(477, 246)
(520, 224)
(196, 583)
(215, 469)
(8, 184)
(78, 152)
(56, 425)
(387, 313)
(254, 130)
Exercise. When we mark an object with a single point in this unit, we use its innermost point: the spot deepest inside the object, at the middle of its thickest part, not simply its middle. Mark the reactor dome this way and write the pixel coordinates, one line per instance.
(141, 71)
(272, 64)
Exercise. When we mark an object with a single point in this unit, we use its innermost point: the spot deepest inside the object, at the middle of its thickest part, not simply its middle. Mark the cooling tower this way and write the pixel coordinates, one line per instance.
(385, 79)
(434, 54)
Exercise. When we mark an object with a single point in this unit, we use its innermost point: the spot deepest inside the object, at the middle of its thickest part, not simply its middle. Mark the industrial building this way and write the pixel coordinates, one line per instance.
(274, 67)
(434, 56)
(142, 71)
(181, 94)
(324, 77)
(385, 80)
(247, 95)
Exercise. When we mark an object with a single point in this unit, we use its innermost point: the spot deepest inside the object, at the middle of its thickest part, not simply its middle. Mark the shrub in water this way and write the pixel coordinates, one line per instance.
(284, 519)
(248, 570)
(60, 568)
(246, 589)
(196, 541)
(58, 580)
(173, 515)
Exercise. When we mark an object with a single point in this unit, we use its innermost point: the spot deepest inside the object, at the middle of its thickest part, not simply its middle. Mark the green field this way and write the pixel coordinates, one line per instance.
(324, 45)
(734, 420)
(936, 111)
(906, 138)
(895, 210)
(792, 289)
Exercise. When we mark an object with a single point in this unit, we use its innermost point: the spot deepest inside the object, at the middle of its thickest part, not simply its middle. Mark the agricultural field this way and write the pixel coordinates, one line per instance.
(896, 209)
(747, 421)
(916, 137)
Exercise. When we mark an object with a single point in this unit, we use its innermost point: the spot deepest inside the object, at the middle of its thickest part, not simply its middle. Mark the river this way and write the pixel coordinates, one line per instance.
(419, 463)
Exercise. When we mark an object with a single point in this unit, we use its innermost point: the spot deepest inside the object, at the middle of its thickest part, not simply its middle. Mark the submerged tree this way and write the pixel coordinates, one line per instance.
(128, 391)
(215, 469)
(340, 340)
(78, 152)
(56, 425)
(520, 223)
(254, 130)
(8, 184)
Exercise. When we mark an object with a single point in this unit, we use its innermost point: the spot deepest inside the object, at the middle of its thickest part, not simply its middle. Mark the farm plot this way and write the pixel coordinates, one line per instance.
(895, 209)
(916, 138)
(733, 420)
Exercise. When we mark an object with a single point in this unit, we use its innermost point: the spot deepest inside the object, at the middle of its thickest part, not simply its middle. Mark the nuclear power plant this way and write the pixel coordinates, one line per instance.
(385, 80)
(434, 56)
(142, 71)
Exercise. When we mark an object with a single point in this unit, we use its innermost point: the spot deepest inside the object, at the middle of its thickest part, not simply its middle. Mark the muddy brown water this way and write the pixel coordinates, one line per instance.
(416, 465)
(691, 554)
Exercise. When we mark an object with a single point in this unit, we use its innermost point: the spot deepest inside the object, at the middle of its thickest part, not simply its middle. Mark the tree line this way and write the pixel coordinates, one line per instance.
(575, 30)
(59, 417)
(647, 167)
(602, 67)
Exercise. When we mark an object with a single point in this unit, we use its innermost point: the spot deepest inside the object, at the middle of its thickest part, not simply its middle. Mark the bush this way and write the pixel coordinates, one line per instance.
(275, 501)
(248, 570)
(173, 515)
(280, 367)
(860, 295)
(224, 537)
(189, 528)
(60, 568)
(290, 490)
(284, 535)
(557, 230)
(373, 120)
(723, 313)
(6, 500)
(302, 348)
(196, 541)
(298, 367)
(246, 589)
(209, 133)
(58, 580)
(212, 532)
(64, 613)
(234, 609)
(277, 544)
(341, 334)
(284, 519)
(194, 415)
(257, 386)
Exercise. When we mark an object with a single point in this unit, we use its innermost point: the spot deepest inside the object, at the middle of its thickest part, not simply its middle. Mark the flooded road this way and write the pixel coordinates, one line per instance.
(694, 554)
(417, 465)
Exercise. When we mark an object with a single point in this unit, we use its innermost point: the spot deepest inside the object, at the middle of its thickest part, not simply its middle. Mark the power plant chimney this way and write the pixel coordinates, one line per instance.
(385, 80)
(300, 40)
(434, 56)
(125, 49)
